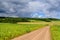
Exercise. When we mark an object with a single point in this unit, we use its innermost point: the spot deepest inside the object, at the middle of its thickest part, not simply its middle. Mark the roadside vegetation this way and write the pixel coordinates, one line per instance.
(55, 30)
(9, 31)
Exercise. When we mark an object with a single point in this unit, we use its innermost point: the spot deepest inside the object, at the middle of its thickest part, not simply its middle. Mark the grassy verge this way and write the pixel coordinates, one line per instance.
(55, 32)
(9, 31)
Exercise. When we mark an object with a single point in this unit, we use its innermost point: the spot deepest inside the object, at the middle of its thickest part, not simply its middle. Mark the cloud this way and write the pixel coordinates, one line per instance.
(36, 16)
(27, 8)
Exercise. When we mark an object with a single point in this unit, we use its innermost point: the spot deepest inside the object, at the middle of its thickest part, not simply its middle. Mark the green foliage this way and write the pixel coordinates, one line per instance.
(15, 20)
(9, 31)
(55, 32)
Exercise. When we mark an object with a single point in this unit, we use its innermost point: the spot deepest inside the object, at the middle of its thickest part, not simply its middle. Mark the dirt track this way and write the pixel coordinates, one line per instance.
(40, 34)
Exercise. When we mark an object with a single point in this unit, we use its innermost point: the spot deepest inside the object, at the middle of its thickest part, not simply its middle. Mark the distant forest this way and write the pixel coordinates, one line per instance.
(15, 20)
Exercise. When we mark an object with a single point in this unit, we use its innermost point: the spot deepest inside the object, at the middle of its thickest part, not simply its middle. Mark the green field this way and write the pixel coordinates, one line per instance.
(55, 30)
(9, 31)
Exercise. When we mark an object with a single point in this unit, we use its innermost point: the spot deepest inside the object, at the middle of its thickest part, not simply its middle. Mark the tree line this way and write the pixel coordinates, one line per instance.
(15, 20)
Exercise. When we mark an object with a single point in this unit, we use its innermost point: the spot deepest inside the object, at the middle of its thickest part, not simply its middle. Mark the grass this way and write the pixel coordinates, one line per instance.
(55, 30)
(9, 31)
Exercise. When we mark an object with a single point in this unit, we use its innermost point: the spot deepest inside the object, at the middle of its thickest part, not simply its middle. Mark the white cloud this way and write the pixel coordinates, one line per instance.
(51, 8)
(36, 15)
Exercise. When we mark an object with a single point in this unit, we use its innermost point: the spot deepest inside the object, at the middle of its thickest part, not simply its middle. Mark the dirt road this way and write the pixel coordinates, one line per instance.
(40, 34)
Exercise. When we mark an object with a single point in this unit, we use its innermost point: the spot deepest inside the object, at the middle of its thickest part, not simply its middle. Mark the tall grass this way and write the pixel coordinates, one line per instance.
(9, 31)
(55, 31)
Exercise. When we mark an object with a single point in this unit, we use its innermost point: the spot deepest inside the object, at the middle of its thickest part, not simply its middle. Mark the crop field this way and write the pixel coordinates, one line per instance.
(9, 30)
(55, 30)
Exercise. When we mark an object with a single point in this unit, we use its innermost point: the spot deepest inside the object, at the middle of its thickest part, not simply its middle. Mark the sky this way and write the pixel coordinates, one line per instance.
(30, 8)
